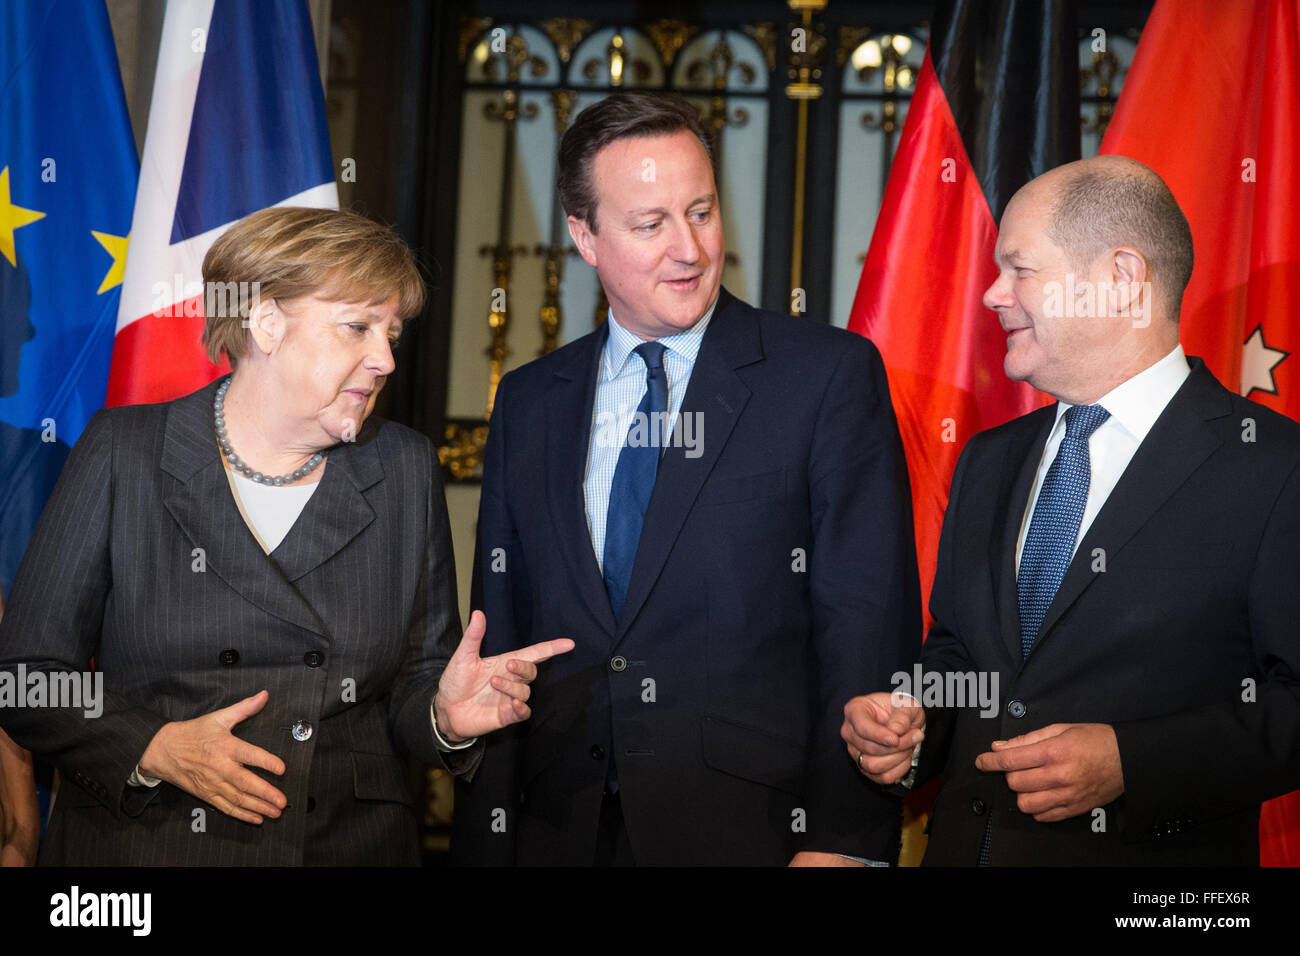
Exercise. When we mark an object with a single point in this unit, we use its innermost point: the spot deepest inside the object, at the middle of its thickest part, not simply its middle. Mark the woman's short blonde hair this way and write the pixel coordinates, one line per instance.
(286, 252)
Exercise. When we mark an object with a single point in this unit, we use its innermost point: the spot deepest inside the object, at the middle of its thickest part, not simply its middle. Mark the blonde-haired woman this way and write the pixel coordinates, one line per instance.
(262, 573)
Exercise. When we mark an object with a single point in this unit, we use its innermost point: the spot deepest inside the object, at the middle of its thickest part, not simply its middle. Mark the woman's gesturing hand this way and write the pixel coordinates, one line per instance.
(480, 694)
(203, 758)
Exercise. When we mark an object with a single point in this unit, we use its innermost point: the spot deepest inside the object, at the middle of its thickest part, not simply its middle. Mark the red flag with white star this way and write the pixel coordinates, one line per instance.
(1212, 104)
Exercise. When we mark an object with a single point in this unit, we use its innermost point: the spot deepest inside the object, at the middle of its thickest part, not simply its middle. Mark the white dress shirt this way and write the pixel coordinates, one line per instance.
(1134, 406)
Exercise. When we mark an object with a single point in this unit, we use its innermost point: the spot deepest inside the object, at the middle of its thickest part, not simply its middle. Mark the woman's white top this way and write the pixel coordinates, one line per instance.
(270, 511)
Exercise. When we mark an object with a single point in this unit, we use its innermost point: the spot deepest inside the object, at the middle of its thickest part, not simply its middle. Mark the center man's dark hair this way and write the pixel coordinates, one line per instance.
(617, 116)
(1100, 209)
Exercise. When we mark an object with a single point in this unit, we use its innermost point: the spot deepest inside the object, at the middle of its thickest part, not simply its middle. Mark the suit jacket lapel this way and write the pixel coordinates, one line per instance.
(568, 434)
(205, 510)
(719, 396)
(337, 511)
(1025, 446)
(1174, 448)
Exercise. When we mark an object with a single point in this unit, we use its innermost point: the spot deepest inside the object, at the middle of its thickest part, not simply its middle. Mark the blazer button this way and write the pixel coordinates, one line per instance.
(301, 730)
(618, 664)
(311, 804)
(313, 658)
(1017, 708)
(597, 752)
(977, 807)
(229, 656)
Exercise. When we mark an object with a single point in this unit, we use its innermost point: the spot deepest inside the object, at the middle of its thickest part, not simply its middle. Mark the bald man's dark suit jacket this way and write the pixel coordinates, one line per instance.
(1178, 622)
(142, 561)
(775, 579)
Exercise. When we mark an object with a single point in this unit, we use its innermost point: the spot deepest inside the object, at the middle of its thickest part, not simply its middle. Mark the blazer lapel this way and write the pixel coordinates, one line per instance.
(568, 433)
(204, 509)
(1025, 447)
(1174, 448)
(338, 511)
(718, 396)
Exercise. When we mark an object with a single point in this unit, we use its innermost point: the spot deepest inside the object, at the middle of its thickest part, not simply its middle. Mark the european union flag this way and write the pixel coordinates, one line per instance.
(68, 171)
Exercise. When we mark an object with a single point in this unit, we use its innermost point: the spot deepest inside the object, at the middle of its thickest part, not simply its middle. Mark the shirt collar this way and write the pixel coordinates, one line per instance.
(621, 343)
(1137, 403)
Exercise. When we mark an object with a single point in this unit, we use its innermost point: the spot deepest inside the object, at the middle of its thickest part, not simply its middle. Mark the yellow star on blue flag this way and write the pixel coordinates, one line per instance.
(68, 172)
(115, 246)
(11, 218)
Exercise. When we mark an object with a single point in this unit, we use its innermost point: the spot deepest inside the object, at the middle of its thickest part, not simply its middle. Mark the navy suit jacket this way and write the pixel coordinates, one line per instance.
(775, 579)
(1176, 623)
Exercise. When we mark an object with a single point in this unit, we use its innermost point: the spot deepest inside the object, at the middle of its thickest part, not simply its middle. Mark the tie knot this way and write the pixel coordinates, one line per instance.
(652, 353)
(1082, 420)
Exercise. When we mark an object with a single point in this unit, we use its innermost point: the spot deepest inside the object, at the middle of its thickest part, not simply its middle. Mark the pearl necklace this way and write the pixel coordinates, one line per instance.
(219, 419)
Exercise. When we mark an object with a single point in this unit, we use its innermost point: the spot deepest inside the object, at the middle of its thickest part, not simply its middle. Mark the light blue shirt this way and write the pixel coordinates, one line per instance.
(619, 392)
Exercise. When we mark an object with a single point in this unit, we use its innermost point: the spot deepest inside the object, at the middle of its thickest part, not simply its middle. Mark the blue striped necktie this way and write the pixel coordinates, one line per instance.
(634, 477)
(1049, 545)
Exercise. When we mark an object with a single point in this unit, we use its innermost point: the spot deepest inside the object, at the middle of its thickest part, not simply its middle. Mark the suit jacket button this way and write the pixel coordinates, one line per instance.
(1016, 708)
(313, 658)
(229, 656)
(311, 804)
(618, 664)
(301, 730)
(977, 807)
(597, 752)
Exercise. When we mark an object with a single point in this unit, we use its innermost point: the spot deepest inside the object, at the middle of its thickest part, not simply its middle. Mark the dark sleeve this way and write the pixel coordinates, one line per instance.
(865, 595)
(53, 623)
(484, 820)
(1230, 756)
(432, 635)
(944, 651)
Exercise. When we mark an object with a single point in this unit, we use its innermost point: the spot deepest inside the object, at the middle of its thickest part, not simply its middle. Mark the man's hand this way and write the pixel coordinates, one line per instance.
(480, 694)
(1059, 771)
(881, 730)
(811, 858)
(203, 758)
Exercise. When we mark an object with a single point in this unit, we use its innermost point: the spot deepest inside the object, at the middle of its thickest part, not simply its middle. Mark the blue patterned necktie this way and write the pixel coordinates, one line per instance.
(634, 477)
(1049, 545)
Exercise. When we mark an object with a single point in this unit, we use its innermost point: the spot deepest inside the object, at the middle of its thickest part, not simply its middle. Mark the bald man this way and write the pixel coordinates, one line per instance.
(1121, 568)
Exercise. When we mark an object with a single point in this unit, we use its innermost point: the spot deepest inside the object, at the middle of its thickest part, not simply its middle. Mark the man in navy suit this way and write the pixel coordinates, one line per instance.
(712, 501)
(1123, 563)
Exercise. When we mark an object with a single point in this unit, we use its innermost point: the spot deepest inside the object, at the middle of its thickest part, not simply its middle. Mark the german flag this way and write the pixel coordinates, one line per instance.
(996, 104)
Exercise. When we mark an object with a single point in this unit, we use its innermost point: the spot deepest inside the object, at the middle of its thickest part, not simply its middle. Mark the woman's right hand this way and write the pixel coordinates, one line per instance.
(203, 758)
(20, 815)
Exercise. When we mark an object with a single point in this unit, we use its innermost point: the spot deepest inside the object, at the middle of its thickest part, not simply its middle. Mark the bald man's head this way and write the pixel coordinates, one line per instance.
(1107, 202)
